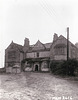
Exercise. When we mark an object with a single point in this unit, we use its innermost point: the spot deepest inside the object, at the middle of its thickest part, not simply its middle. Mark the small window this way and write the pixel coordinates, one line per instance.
(37, 54)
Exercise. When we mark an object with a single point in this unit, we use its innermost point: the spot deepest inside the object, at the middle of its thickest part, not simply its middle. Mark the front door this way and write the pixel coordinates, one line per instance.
(36, 67)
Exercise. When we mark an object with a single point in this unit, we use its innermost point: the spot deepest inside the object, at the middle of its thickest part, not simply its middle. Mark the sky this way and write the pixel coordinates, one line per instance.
(36, 20)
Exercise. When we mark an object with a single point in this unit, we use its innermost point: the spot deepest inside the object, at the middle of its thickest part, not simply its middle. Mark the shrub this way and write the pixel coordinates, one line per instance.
(69, 67)
(55, 67)
(72, 66)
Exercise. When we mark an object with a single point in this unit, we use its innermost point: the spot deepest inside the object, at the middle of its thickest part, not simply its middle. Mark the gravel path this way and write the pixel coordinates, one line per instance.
(37, 86)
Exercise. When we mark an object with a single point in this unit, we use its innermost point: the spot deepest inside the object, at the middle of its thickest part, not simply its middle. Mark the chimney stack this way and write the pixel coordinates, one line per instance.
(26, 45)
(26, 42)
(55, 37)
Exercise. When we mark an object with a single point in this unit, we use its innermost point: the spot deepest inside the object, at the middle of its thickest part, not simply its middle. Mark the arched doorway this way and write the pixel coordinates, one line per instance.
(36, 67)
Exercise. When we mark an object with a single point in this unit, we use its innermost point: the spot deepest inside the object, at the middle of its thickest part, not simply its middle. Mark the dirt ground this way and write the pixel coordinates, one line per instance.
(37, 86)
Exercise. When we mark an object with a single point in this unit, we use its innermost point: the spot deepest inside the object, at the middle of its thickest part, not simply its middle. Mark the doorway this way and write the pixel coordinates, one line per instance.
(36, 67)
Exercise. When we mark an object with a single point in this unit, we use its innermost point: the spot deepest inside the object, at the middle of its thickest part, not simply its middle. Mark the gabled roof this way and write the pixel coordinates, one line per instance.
(15, 45)
(66, 39)
(62, 37)
(38, 46)
(38, 43)
(20, 47)
(59, 38)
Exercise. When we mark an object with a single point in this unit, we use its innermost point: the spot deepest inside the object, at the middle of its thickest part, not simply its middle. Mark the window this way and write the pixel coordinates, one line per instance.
(11, 54)
(59, 49)
(37, 54)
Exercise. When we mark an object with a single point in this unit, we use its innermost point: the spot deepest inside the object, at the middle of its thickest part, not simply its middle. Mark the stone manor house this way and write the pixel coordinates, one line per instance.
(37, 57)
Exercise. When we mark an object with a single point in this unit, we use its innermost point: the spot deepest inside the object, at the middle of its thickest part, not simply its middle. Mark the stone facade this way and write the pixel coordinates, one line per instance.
(37, 57)
(58, 50)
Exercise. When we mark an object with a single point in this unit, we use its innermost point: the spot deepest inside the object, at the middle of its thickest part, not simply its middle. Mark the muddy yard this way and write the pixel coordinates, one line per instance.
(37, 86)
